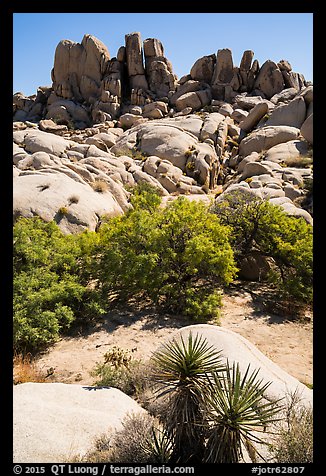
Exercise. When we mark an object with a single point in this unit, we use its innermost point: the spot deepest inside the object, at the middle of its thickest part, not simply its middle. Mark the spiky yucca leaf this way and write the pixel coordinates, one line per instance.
(181, 369)
(182, 363)
(236, 410)
(159, 446)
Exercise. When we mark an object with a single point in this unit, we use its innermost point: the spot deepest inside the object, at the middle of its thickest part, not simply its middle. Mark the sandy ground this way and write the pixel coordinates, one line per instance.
(287, 342)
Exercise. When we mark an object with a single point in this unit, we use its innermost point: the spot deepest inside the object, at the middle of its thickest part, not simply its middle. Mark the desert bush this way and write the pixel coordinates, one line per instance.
(135, 153)
(108, 376)
(140, 441)
(121, 371)
(100, 453)
(63, 210)
(293, 441)
(145, 197)
(50, 284)
(301, 161)
(287, 240)
(73, 199)
(177, 256)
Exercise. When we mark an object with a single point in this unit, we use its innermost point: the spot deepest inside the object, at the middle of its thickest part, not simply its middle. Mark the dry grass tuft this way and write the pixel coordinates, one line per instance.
(293, 442)
(25, 370)
(100, 186)
(73, 199)
(301, 162)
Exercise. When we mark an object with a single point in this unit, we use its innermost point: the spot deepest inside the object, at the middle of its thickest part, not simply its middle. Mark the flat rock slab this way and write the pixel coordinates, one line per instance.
(236, 348)
(56, 421)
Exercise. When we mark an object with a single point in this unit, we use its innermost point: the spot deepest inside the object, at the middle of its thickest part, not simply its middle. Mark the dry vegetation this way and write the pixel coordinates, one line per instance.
(100, 186)
(25, 370)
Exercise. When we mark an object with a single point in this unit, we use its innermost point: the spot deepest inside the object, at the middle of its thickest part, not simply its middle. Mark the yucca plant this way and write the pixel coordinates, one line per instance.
(181, 369)
(236, 411)
(159, 446)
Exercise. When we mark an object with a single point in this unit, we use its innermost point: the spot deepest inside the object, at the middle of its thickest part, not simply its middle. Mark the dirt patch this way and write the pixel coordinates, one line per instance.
(288, 343)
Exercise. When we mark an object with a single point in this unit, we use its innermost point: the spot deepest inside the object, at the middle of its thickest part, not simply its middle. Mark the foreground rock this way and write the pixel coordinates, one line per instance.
(54, 422)
(236, 348)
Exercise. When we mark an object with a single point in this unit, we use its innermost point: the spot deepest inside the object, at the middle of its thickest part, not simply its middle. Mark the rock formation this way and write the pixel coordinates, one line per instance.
(107, 123)
(88, 86)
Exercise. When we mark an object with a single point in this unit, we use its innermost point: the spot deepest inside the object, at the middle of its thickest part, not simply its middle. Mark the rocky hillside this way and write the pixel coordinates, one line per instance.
(107, 124)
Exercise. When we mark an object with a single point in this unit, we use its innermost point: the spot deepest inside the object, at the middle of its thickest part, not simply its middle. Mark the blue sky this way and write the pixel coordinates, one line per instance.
(185, 37)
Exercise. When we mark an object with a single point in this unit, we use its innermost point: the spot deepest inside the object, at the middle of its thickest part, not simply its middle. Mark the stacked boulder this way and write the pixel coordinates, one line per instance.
(88, 86)
(107, 124)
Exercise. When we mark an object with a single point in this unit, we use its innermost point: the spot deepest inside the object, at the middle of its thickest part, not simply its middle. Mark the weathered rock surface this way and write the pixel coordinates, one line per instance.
(210, 125)
(79, 68)
(36, 140)
(161, 79)
(254, 266)
(203, 69)
(287, 151)
(167, 142)
(267, 137)
(269, 80)
(54, 422)
(53, 195)
(307, 128)
(254, 116)
(292, 114)
(89, 87)
(223, 75)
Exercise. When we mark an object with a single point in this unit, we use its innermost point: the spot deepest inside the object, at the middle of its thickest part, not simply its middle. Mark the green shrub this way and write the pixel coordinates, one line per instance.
(259, 225)
(145, 196)
(121, 377)
(50, 283)
(177, 256)
(63, 211)
(190, 166)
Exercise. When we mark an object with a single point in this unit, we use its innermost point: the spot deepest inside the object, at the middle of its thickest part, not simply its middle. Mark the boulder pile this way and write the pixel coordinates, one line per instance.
(89, 86)
(107, 124)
